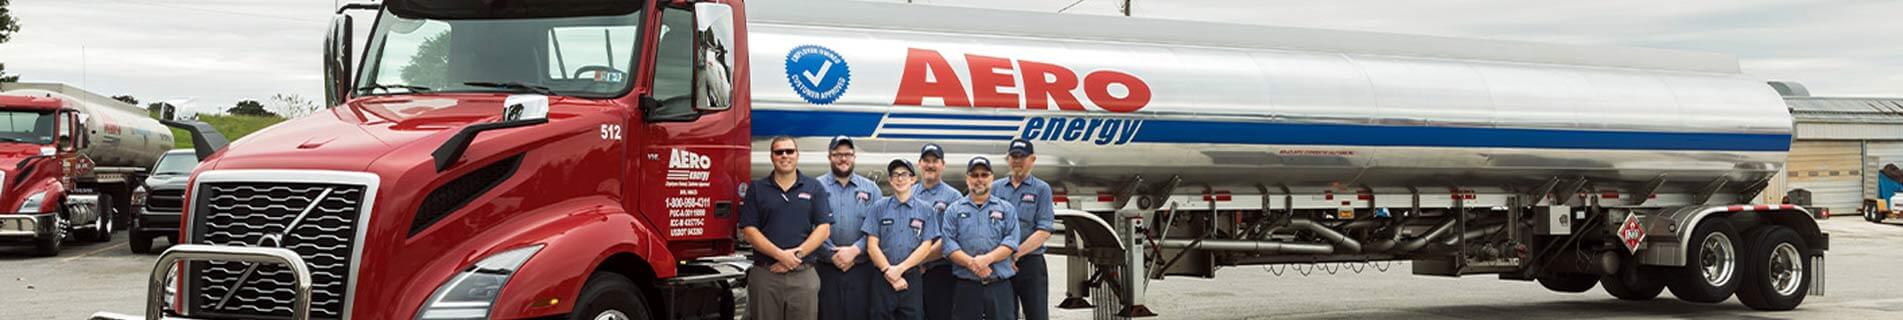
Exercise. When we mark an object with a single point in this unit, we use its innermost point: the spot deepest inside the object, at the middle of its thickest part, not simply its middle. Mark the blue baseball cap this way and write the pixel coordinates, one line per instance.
(1020, 147)
(932, 149)
(840, 140)
(978, 161)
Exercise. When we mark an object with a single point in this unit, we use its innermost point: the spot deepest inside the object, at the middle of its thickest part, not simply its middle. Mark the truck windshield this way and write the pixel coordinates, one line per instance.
(176, 163)
(589, 57)
(26, 127)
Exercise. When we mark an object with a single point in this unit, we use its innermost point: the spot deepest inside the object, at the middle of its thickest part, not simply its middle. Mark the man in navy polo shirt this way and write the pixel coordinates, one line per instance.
(899, 235)
(1032, 197)
(785, 217)
(981, 232)
(933, 190)
(845, 279)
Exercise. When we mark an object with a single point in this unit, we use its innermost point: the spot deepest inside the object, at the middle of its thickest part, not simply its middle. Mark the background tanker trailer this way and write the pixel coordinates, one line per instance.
(72, 163)
(1181, 147)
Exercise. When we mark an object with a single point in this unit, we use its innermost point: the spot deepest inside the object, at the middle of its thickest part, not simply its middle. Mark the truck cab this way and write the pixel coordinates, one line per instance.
(573, 159)
(40, 140)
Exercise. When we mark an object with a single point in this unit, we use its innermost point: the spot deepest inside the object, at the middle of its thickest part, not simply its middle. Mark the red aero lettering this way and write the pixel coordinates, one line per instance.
(928, 75)
(914, 87)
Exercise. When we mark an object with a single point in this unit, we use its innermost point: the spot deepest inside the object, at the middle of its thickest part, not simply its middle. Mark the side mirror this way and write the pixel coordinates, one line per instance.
(713, 65)
(524, 107)
(337, 61)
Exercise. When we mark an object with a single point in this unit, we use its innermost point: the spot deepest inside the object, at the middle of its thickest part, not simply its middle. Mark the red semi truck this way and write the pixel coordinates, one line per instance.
(583, 158)
(72, 164)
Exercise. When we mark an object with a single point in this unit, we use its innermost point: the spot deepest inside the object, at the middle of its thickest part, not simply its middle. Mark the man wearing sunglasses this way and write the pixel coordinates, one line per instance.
(785, 217)
(845, 279)
(899, 235)
(979, 236)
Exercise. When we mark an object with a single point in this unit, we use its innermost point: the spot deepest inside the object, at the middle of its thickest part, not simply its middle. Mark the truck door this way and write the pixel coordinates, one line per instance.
(694, 154)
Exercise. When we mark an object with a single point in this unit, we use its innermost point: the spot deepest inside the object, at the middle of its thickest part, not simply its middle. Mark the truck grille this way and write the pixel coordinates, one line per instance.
(166, 200)
(258, 215)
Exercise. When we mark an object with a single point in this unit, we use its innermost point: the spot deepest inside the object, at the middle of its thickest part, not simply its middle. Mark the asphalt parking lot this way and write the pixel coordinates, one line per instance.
(1862, 274)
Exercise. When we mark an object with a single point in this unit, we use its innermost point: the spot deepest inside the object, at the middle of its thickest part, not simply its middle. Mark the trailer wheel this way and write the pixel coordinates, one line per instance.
(1633, 282)
(102, 229)
(609, 296)
(1711, 264)
(1776, 272)
(1568, 282)
(50, 245)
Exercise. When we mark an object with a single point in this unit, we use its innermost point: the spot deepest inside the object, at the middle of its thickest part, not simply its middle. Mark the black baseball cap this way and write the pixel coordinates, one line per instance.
(839, 140)
(899, 163)
(1020, 147)
(932, 149)
(978, 161)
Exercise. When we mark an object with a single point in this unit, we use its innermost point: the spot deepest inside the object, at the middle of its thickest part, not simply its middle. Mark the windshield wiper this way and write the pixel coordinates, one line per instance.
(514, 86)
(15, 139)
(387, 87)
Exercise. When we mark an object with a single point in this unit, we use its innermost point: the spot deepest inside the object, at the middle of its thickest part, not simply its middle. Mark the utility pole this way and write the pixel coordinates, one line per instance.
(1126, 8)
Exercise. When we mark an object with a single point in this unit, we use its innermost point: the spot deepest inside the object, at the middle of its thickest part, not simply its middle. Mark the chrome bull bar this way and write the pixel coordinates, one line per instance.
(155, 287)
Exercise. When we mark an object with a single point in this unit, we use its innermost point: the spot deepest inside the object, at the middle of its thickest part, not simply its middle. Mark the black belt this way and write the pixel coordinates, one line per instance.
(760, 264)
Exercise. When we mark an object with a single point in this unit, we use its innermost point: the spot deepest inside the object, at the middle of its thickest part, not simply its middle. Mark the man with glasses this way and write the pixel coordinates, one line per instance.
(934, 192)
(899, 235)
(785, 217)
(845, 281)
(1036, 213)
(981, 232)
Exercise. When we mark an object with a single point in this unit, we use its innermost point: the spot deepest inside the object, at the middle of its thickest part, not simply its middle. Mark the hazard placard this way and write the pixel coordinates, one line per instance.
(1631, 233)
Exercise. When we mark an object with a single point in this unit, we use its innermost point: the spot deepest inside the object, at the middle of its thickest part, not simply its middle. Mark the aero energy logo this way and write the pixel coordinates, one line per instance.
(817, 74)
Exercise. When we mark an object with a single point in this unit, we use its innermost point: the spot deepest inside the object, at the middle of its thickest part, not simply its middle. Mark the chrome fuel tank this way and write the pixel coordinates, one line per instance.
(1233, 106)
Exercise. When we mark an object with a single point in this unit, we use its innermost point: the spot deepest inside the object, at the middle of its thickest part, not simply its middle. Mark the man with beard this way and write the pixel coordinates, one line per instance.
(934, 192)
(845, 282)
(1032, 197)
(981, 232)
(785, 217)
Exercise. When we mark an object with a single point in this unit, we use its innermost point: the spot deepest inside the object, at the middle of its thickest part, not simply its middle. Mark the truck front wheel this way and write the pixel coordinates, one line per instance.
(609, 296)
(1711, 272)
(50, 246)
(1776, 273)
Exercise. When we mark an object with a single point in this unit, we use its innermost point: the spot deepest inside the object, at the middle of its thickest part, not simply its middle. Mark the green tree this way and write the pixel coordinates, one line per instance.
(250, 108)
(8, 25)
(127, 99)
(427, 66)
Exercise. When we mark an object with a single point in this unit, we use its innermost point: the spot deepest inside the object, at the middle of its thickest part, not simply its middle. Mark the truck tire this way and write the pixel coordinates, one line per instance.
(1710, 274)
(50, 246)
(1776, 272)
(1633, 282)
(609, 296)
(140, 242)
(102, 229)
(1869, 211)
(1568, 282)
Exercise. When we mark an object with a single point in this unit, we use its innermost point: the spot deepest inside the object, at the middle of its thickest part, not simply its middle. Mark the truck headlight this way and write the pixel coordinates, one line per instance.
(32, 203)
(470, 293)
(138, 196)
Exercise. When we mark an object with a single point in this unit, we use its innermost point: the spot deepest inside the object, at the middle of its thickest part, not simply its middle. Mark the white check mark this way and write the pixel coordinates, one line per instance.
(814, 78)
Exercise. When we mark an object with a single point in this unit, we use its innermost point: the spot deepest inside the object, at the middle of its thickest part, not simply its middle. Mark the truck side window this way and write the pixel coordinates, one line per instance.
(674, 66)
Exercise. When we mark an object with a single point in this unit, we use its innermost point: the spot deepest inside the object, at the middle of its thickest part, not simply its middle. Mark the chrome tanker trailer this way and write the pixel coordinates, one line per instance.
(72, 163)
(1178, 147)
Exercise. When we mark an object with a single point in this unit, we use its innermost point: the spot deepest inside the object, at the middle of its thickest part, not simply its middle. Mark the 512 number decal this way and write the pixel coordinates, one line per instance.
(610, 132)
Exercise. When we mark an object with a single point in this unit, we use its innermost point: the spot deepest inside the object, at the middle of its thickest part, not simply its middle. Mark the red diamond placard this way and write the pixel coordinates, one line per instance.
(1631, 232)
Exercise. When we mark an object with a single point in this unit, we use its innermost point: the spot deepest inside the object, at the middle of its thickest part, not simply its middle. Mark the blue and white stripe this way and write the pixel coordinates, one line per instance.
(948, 126)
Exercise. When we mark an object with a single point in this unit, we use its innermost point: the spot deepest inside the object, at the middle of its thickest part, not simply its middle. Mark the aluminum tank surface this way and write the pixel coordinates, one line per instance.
(122, 135)
(1105, 98)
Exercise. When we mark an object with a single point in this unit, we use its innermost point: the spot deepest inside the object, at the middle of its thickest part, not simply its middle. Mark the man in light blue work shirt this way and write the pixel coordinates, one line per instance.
(933, 190)
(844, 277)
(899, 235)
(1036, 213)
(981, 233)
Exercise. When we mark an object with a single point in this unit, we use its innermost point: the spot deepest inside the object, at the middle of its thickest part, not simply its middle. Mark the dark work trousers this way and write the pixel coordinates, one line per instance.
(940, 302)
(888, 304)
(843, 295)
(992, 301)
(1032, 286)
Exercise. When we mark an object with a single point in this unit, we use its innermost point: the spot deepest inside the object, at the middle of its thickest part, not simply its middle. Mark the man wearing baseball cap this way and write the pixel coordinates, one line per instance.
(899, 235)
(981, 232)
(1036, 213)
(934, 192)
(845, 280)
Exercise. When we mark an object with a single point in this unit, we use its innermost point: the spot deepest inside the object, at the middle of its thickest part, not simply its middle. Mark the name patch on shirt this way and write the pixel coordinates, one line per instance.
(806, 196)
(885, 222)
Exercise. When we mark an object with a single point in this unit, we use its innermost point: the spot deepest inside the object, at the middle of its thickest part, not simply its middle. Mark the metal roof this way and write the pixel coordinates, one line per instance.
(1846, 110)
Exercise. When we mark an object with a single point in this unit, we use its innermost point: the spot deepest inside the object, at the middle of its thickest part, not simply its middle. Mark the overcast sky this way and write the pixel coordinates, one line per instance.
(221, 51)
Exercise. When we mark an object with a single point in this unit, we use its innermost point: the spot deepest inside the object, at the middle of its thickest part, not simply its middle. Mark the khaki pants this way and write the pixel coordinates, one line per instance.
(782, 296)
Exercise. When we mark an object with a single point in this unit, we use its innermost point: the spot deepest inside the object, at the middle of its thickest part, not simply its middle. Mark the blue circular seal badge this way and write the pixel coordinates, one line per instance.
(817, 74)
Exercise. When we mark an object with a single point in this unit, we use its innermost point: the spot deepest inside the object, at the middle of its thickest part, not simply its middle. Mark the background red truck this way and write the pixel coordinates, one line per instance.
(71, 163)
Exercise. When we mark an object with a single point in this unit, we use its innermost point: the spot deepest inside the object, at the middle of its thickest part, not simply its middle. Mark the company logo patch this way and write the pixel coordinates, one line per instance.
(863, 196)
(1100, 131)
(940, 206)
(1030, 198)
(817, 74)
(806, 196)
(997, 215)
